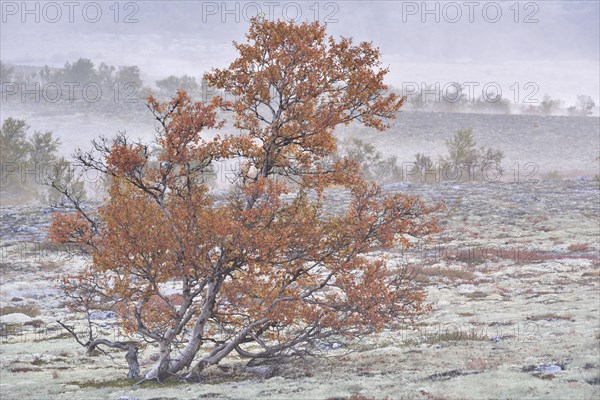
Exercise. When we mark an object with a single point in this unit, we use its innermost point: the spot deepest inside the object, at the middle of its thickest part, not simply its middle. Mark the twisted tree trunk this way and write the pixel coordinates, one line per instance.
(132, 351)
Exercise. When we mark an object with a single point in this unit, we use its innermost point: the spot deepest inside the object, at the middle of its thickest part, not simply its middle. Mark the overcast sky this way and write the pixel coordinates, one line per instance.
(554, 43)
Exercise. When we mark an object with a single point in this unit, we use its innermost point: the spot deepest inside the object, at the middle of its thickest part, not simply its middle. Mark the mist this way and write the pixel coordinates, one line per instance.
(420, 42)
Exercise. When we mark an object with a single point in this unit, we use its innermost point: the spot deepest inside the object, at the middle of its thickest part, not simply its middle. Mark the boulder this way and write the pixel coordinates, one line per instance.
(15, 318)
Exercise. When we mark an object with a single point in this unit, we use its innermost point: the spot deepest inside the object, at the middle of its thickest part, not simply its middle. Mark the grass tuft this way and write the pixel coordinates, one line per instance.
(29, 310)
(447, 273)
(578, 247)
(476, 295)
(550, 317)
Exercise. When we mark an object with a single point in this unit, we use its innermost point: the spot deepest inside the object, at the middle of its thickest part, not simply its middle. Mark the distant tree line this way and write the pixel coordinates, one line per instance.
(454, 99)
(123, 84)
(82, 80)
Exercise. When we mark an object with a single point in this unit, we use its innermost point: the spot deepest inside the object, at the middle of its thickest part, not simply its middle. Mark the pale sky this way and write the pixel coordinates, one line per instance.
(553, 43)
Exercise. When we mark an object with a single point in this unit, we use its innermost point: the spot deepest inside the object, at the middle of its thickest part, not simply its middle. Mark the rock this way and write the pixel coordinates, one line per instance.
(264, 371)
(329, 345)
(26, 229)
(15, 299)
(444, 376)
(544, 376)
(106, 325)
(549, 368)
(260, 370)
(15, 318)
(594, 381)
(544, 368)
(100, 315)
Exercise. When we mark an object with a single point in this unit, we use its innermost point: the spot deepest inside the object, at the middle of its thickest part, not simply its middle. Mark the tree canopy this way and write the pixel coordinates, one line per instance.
(263, 271)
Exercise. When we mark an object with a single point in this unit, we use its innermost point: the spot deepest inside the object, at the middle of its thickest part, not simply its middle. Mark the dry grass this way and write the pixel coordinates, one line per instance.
(361, 397)
(591, 274)
(447, 273)
(48, 266)
(479, 364)
(356, 397)
(29, 310)
(550, 317)
(38, 361)
(578, 247)
(465, 314)
(473, 257)
(462, 336)
(476, 295)
(24, 369)
(534, 256)
(123, 383)
(447, 336)
(537, 219)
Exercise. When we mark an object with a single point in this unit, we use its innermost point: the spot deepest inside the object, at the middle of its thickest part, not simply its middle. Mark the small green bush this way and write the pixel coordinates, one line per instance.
(469, 161)
(372, 163)
(30, 161)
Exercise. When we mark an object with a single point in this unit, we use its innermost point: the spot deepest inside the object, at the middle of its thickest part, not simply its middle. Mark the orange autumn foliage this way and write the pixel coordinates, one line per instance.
(264, 264)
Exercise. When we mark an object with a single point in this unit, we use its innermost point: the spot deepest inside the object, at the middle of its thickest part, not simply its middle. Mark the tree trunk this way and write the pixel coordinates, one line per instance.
(167, 367)
(221, 351)
(132, 361)
(196, 370)
(159, 371)
(131, 357)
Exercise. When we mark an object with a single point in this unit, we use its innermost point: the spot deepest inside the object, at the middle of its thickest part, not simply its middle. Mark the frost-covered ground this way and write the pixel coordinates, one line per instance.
(533, 145)
(514, 281)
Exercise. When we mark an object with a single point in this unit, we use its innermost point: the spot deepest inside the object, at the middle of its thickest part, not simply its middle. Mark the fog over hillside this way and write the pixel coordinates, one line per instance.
(421, 42)
(522, 51)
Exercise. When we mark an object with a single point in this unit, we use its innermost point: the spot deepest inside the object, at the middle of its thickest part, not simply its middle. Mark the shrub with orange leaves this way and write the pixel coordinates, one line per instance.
(264, 271)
